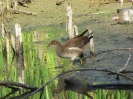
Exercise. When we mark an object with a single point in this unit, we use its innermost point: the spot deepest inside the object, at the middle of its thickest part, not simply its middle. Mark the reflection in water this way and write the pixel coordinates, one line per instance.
(74, 83)
(20, 69)
(37, 37)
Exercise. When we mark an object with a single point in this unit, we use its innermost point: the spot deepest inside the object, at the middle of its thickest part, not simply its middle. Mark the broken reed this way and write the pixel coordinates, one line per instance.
(12, 43)
(12, 46)
(71, 29)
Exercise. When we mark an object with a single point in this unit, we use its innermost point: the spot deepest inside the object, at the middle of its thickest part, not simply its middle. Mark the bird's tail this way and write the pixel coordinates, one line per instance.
(87, 30)
(81, 34)
(90, 32)
(90, 37)
(89, 41)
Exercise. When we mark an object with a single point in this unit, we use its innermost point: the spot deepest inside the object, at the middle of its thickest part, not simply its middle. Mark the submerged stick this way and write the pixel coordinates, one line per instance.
(75, 30)
(19, 53)
(18, 39)
(91, 43)
(5, 41)
(125, 64)
(7, 4)
(18, 32)
(7, 83)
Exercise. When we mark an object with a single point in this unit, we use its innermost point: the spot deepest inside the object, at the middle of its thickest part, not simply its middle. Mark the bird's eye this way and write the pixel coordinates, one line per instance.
(53, 43)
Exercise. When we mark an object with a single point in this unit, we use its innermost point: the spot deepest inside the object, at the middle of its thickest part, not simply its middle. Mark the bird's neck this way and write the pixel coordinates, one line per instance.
(59, 50)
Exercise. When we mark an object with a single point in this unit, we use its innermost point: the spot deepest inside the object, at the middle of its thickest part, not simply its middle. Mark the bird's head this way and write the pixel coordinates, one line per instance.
(116, 18)
(53, 43)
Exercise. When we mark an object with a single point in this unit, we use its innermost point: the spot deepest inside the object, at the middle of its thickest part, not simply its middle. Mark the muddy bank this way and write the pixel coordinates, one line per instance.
(48, 13)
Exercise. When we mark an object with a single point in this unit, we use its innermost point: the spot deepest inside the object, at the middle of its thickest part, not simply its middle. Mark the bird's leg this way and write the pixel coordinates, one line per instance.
(83, 60)
(72, 65)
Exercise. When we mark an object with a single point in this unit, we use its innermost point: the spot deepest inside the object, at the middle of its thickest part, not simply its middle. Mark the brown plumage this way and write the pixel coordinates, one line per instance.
(72, 48)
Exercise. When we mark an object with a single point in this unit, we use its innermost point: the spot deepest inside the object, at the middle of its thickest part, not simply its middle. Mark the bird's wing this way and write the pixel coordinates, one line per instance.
(81, 34)
(79, 42)
(74, 42)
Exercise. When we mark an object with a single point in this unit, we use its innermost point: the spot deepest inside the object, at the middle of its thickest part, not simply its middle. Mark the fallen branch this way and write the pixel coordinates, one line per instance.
(21, 11)
(7, 83)
(12, 92)
(14, 86)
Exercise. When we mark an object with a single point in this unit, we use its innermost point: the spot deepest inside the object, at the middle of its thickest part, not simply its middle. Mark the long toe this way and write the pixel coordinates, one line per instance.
(83, 61)
(72, 65)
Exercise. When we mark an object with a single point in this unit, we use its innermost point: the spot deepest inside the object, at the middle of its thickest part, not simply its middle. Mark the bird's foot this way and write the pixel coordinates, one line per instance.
(82, 61)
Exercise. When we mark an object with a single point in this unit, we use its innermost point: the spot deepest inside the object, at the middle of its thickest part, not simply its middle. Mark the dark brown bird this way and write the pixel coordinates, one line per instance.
(72, 48)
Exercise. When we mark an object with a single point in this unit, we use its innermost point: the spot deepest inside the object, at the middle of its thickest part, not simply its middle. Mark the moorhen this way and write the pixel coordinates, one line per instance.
(73, 47)
(125, 16)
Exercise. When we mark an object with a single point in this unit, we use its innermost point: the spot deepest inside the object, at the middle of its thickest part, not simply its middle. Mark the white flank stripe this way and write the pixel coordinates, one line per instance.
(75, 48)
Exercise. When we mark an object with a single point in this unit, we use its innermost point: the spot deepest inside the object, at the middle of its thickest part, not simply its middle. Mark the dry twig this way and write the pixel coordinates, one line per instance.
(125, 64)
(21, 11)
